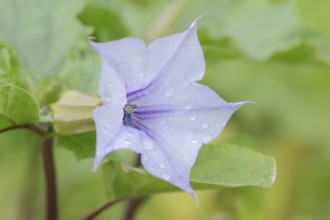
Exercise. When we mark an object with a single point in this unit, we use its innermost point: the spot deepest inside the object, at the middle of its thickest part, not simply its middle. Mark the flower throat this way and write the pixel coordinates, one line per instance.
(128, 110)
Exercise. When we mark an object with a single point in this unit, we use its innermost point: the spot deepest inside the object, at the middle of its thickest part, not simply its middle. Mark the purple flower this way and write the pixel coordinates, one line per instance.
(152, 104)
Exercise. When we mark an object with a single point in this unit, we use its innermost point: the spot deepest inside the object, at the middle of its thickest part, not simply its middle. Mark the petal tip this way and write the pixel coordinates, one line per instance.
(200, 17)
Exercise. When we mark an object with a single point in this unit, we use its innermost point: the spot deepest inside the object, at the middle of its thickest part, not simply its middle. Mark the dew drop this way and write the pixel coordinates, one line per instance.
(193, 118)
(169, 92)
(145, 158)
(165, 176)
(162, 166)
(205, 125)
(127, 142)
(163, 122)
(194, 141)
(212, 119)
(105, 100)
(130, 133)
(148, 145)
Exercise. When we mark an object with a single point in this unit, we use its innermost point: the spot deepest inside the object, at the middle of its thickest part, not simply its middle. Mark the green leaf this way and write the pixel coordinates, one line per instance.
(315, 15)
(9, 72)
(83, 145)
(137, 16)
(40, 32)
(107, 24)
(82, 69)
(260, 28)
(73, 113)
(216, 166)
(17, 107)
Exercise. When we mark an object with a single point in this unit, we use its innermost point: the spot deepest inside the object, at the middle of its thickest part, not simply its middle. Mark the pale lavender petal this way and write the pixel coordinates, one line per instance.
(112, 135)
(127, 138)
(161, 159)
(179, 132)
(127, 56)
(175, 61)
(108, 121)
(111, 87)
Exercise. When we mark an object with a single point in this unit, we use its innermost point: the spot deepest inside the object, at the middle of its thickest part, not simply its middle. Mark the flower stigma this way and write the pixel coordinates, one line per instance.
(128, 110)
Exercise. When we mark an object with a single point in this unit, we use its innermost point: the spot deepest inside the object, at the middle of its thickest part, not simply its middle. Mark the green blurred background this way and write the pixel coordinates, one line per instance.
(273, 52)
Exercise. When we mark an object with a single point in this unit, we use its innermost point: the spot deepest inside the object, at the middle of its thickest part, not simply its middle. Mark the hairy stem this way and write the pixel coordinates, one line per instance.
(49, 168)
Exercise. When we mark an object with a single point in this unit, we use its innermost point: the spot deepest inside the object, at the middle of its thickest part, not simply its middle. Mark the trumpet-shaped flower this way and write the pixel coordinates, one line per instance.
(153, 105)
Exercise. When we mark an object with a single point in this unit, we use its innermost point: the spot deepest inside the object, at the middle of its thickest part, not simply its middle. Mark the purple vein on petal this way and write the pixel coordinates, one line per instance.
(158, 111)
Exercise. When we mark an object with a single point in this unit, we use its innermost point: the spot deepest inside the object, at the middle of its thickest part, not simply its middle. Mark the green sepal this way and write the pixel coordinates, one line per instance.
(73, 113)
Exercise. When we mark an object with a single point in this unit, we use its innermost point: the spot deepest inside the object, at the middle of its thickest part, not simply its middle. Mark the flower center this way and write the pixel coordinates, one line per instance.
(128, 110)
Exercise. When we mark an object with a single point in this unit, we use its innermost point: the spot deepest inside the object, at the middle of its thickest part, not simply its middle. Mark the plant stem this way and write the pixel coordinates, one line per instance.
(98, 211)
(132, 207)
(30, 190)
(48, 161)
(38, 129)
(134, 203)
(49, 168)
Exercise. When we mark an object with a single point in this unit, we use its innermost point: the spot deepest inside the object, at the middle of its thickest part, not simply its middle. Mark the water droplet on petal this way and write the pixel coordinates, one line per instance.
(194, 141)
(193, 118)
(169, 92)
(127, 142)
(162, 166)
(145, 158)
(223, 124)
(212, 119)
(105, 100)
(148, 145)
(163, 122)
(205, 125)
(165, 176)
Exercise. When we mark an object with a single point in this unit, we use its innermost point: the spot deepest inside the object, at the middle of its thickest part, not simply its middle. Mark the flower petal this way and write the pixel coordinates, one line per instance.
(127, 57)
(179, 132)
(111, 88)
(160, 158)
(112, 134)
(174, 61)
(108, 121)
